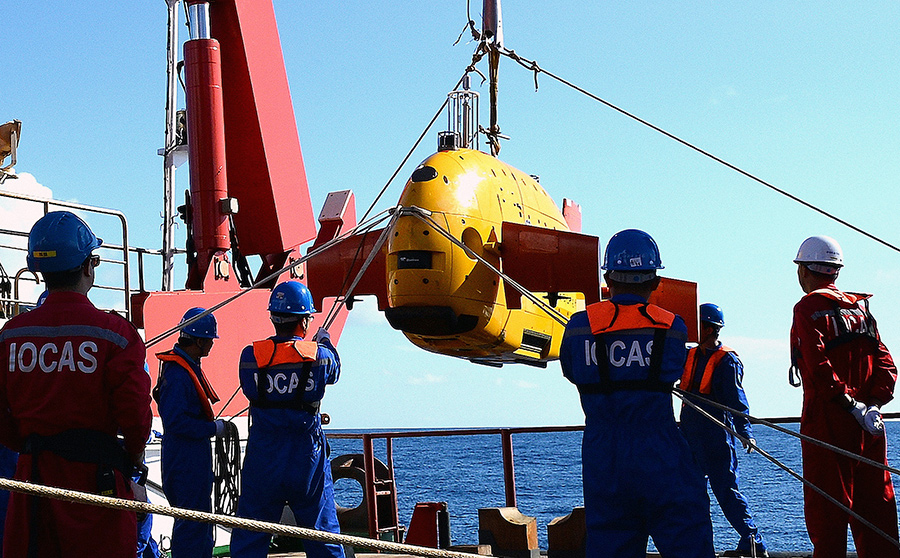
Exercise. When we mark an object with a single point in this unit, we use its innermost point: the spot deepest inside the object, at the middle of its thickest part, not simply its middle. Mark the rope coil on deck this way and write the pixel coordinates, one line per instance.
(225, 520)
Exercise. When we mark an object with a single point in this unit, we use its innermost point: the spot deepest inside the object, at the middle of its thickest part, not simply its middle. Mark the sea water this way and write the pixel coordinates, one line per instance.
(467, 473)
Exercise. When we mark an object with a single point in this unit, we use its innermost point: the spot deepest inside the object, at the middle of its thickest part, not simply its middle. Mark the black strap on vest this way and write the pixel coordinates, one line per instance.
(297, 403)
(652, 382)
(844, 335)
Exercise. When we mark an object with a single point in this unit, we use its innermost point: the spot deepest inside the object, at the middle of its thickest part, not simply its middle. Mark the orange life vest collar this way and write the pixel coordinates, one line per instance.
(205, 391)
(269, 352)
(608, 316)
(690, 372)
(840, 296)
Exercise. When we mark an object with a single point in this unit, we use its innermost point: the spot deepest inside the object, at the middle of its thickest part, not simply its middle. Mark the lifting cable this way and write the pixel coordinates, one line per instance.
(375, 221)
(686, 396)
(224, 520)
(533, 66)
(332, 314)
(416, 144)
(382, 238)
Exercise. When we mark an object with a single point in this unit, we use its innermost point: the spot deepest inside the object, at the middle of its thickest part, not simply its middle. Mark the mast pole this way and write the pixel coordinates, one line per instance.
(492, 33)
(171, 140)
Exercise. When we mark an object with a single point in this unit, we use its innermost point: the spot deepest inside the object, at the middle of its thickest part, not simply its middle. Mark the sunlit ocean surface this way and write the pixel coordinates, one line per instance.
(467, 473)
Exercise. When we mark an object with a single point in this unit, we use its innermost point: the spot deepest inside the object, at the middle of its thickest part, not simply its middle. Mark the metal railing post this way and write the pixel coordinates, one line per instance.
(371, 496)
(509, 468)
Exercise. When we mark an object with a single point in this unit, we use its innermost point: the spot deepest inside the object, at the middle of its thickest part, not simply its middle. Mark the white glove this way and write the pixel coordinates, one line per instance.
(220, 427)
(322, 335)
(874, 424)
(749, 445)
(858, 410)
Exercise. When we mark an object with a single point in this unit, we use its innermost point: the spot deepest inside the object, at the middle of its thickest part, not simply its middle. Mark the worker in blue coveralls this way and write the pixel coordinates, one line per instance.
(624, 354)
(284, 378)
(714, 371)
(185, 398)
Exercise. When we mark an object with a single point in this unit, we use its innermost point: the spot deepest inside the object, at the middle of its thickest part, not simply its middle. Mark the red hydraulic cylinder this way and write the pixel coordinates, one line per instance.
(206, 141)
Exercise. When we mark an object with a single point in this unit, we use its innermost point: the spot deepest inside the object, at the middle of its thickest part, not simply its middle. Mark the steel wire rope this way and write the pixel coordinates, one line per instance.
(375, 221)
(681, 394)
(224, 520)
(476, 56)
(803, 437)
(426, 218)
(338, 303)
(382, 238)
(533, 66)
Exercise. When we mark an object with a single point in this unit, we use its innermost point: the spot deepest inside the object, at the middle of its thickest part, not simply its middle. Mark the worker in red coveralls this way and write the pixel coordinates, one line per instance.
(847, 375)
(185, 399)
(72, 379)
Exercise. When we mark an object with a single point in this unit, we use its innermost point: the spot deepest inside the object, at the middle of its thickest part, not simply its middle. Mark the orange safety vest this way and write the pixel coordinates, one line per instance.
(269, 353)
(688, 379)
(205, 391)
(608, 317)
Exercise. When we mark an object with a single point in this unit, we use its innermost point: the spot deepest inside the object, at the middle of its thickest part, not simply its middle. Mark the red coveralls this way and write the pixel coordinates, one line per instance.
(65, 366)
(836, 357)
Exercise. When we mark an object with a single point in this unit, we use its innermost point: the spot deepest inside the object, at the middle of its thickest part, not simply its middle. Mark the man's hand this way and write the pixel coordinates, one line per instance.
(322, 335)
(874, 423)
(749, 444)
(869, 418)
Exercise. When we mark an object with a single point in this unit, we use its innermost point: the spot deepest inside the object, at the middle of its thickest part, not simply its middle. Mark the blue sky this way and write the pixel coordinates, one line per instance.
(803, 95)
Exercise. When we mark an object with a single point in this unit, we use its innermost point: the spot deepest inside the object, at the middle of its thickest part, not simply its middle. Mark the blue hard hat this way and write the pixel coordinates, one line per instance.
(632, 257)
(291, 297)
(204, 328)
(60, 241)
(712, 314)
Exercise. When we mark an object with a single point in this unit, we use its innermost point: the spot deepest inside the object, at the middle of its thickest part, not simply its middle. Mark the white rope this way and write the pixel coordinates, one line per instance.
(225, 520)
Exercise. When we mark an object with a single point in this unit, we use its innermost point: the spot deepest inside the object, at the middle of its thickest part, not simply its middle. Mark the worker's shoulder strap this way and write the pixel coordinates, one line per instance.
(702, 383)
(608, 316)
(268, 352)
(205, 391)
(846, 330)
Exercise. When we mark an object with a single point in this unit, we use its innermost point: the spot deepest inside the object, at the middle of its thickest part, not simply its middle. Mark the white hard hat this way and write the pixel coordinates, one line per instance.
(821, 254)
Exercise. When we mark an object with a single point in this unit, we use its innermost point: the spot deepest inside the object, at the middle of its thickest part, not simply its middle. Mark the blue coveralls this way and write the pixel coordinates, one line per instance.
(186, 456)
(713, 447)
(286, 461)
(640, 480)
